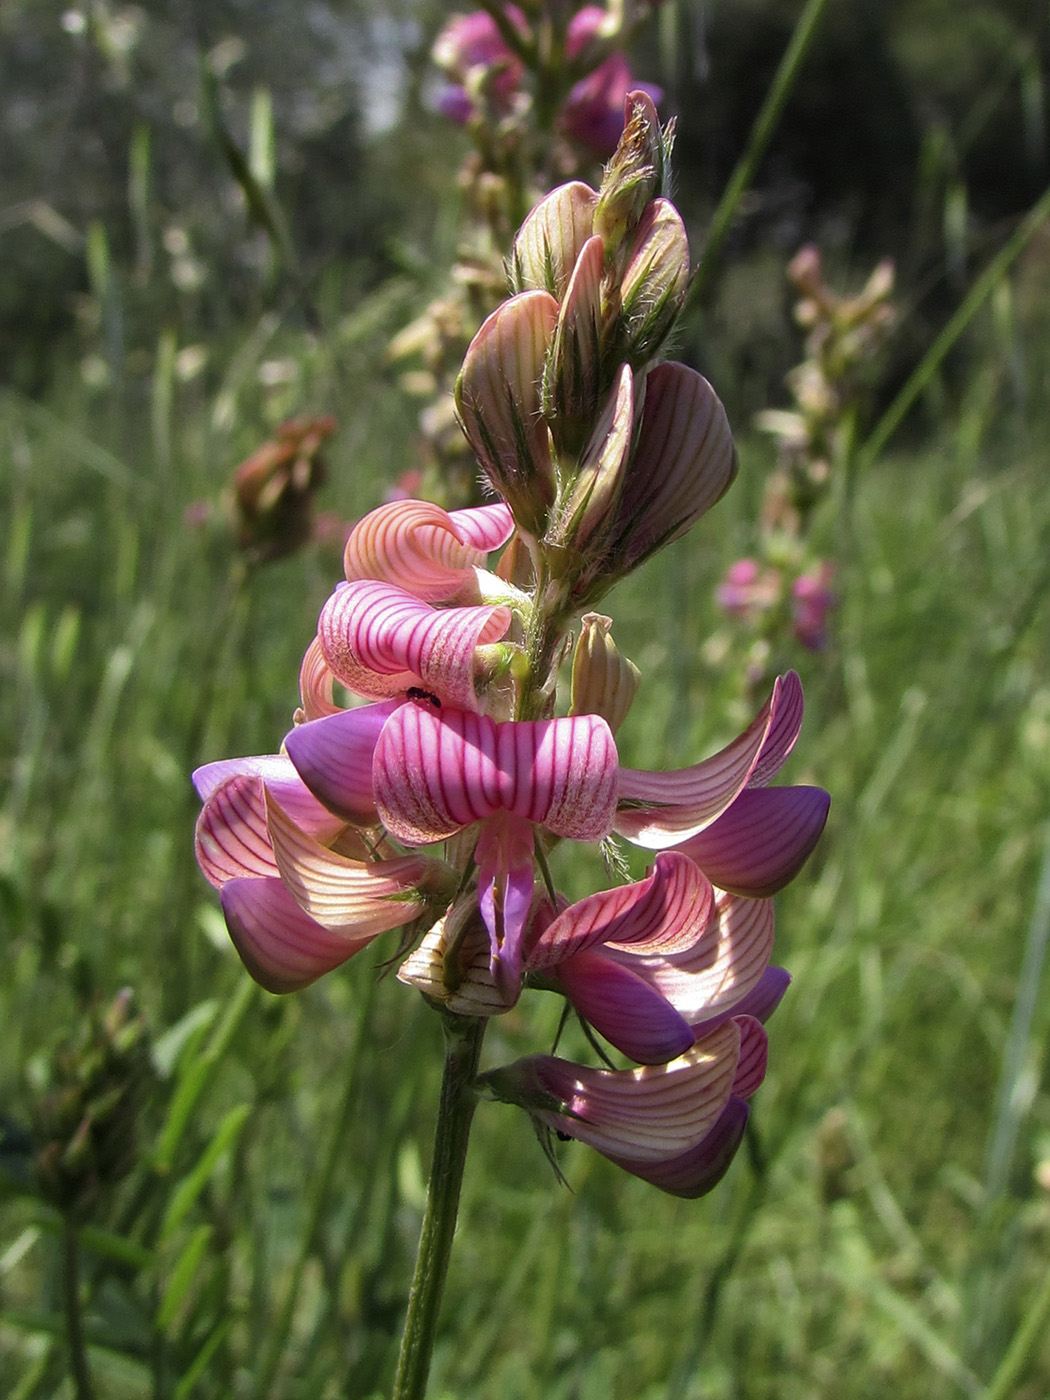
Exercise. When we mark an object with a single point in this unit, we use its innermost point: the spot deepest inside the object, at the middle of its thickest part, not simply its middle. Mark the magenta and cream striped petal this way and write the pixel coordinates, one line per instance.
(720, 969)
(315, 683)
(232, 839)
(423, 549)
(647, 1114)
(548, 243)
(472, 991)
(666, 912)
(625, 1008)
(760, 843)
(380, 640)
(348, 897)
(657, 810)
(699, 1169)
(754, 1056)
(498, 397)
(684, 462)
(333, 757)
(760, 1002)
(436, 772)
(279, 944)
(280, 776)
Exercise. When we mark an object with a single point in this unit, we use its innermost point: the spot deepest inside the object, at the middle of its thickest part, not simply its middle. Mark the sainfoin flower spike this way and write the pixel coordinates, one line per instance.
(432, 782)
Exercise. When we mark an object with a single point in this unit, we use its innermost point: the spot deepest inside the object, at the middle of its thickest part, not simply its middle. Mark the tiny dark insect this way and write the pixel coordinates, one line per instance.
(562, 1137)
(416, 692)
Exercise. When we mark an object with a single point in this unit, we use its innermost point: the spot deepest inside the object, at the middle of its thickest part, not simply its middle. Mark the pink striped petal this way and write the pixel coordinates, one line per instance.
(232, 839)
(380, 640)
(699, 1169)
(279, 774)
(667, 911)
(484, 528)
(760, 1002)
(760, 843)
(684, 462)
(345, 896)
(279, 944)
(333, 757)
(436, 772)
(498, 399)
(647, 1114)
(754, 1055)
(415, 545)
(315, 683)
(720, 969)
(549, 241)
(626, 1009)
(664, 809)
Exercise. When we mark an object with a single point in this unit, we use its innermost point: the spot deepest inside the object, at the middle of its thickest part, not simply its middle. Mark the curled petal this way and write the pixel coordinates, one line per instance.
(664, 809)
(498, 399)
(754, 1054)
(280, 776)
(647, 1114)
(685, 461)
(760, 1002)
(380, 640)
(280, 945)
(231, 837)
(422, 548)
(315, 683)
(548, 243)
(760, 843)
(333, 757)
(699, 1169)
(436, 772)
(345, 896)
(720, 969)
(669, 910)
(626, 1009)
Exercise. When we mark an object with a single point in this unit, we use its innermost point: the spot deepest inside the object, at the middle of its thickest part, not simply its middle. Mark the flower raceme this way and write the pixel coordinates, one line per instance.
(432, 803)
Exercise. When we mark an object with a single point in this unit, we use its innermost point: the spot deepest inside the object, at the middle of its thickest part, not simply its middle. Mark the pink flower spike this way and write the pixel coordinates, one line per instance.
(423, 549)
(761, 842)
(333, 757)
(381, 641)
(664, 809)
(279, 944)
(436, 772)
(699, 1169)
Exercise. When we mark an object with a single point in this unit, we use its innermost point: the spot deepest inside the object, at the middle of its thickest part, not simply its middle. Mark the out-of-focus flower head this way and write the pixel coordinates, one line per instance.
(812, 599)
(273, 490)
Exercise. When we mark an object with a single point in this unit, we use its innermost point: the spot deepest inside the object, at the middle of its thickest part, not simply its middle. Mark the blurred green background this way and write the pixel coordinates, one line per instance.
(888, 1230)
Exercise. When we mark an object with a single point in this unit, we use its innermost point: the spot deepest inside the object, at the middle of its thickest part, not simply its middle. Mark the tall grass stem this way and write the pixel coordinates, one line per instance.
(78, 1362)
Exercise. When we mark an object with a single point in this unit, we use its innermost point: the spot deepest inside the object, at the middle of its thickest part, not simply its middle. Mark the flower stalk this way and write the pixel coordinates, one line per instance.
(463, 1038)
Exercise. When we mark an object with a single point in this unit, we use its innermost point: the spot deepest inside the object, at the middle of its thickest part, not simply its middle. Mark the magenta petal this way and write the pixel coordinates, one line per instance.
(483, 527)
(628, 1011)
(232, 839)
(333, 756)
(667, 911)
(760, 1002)
(762, 841)
(754, 1054)
(505, 857)
(699, 1169)
(663, 809)
(280, 776)
(279, 944)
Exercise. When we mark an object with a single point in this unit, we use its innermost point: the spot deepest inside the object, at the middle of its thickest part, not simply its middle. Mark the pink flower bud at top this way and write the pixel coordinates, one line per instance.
(654, 281)
(603, 682)
(635, 175)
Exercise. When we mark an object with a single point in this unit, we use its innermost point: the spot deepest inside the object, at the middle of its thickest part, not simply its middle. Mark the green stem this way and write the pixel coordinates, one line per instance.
(759, 138)
(1026, 1341)
(463, 1037)
(78, 1362)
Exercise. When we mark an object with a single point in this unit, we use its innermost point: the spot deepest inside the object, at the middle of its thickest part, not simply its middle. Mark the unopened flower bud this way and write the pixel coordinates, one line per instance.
(636, 173)
(549, 242)
(654, 282)
(603, 682)
(603, 470)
